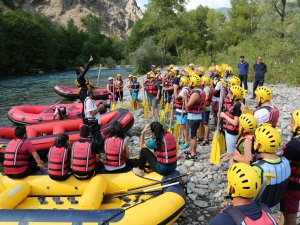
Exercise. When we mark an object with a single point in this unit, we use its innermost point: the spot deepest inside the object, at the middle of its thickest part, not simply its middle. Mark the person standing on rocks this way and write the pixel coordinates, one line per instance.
(243, 68)
(83, 83)
(153, 91)
(243, 190)
(267, 141)
(216, 97)
(290, 204)
(194, 104)
(260, 69)
(163, 157)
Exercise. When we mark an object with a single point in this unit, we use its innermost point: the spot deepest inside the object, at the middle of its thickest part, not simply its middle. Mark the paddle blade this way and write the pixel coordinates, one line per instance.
(199, 132)
(146, 111)
(170, 130)
(176, 130)
(162, 116)
(222, 143)
(215, 153)
(140, 104)
(113, 107)
(122, 106)
(167, 107)
(161, 103)
(131, 105)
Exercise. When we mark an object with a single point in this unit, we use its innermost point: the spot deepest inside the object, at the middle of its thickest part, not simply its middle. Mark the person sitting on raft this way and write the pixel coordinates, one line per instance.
(84, 156)
(59, 158)
(60, 112)
(116, 149)
(16, 158)
(164, 158)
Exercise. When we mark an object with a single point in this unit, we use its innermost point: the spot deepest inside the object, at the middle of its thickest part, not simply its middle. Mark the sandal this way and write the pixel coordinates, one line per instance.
(191, 156)
(205, 143)
(187, 152)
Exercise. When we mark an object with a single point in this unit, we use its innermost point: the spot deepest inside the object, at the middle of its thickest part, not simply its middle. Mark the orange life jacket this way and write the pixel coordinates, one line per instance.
(114, 151)
(83, 159)
(58, 161)
(15, 162)
(199, 105)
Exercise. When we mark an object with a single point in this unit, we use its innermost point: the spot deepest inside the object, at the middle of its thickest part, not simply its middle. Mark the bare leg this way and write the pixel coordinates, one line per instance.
(206, 132)
(193, 145)
(288, 219)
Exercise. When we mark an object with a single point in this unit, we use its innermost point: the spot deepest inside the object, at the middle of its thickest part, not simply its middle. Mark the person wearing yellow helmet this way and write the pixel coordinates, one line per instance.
(134, 90)
(244, 145)
(260, 69)
(111, 88)
(217, 85)
(192, 66)
(267, 141)
(194, 102)
(153, 91)
(243, 186)
(119, 87)
(230, 116)
(180, 111)
(130, 76)
(291, 151)
(243, 68)
(201, 71)
(168, 86)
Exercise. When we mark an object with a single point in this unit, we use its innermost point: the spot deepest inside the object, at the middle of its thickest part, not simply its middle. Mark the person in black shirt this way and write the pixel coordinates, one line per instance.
(260, 70)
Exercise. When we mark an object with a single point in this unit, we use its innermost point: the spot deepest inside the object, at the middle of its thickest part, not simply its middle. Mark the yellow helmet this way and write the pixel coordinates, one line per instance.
(247, 123)
(202, 70)
(195, 81)
(191, 65)
(130, 76)
(184, 81)
(212, 68)
(267, 139)
(152, 75)
(296, 118)
(206, 80)
(219, 69)
(244, 179)
(229, 69)
(134, 77)
(187, 70)
(171, 66)
(119, 75)
(216, 80)
(149, 73)
(234, 81)
(193, 73)
(174, 72)
(237, 92)
(158, 69)
(224, 66)
(264, 92)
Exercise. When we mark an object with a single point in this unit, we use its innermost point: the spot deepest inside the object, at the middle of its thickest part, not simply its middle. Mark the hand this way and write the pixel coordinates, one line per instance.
(222, 115)
(91, 59)
(146, 128)
(157, 98)
(244, 107)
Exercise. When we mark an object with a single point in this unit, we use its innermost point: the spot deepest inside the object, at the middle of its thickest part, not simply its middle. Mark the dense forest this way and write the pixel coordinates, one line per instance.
(166, 34)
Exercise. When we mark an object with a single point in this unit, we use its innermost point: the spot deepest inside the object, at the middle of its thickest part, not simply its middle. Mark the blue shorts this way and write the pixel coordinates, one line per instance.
(193, 127)
(205, 117)
(169, 100)
(134, 95)
(183, 120)
(152, 100)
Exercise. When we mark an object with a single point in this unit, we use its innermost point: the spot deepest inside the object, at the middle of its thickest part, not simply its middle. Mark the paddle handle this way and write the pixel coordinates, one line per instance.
(157, 188)
(99, 75)
(55, 104)
(219, 110)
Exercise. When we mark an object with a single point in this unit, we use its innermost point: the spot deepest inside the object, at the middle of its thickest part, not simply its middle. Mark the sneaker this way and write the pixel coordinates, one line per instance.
(138, 172)
(183, 147)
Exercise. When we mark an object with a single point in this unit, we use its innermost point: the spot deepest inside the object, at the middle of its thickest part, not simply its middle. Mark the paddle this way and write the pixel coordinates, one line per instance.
(55, 104)
(171, 117)
(181, 116)
(99, 74)
(113, 107)
(146, 105)
(268, 177)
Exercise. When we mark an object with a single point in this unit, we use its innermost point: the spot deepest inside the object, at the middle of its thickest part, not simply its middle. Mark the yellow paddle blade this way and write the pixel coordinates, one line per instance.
(161, 103)
(170, 130)
(113, 107)
(199, 132)
(248, 111)
(162, 116)
(222, 143)
(131, 105)
(122, 106)
(167, 107)
(176, 130)
(146, 111)
(140, 104)
(215, 153)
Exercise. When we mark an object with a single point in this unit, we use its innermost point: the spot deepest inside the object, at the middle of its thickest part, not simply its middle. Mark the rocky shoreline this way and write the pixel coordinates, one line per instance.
(206, 187)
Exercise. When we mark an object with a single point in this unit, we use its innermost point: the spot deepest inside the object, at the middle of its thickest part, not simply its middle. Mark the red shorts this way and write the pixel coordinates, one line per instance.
(290, 202)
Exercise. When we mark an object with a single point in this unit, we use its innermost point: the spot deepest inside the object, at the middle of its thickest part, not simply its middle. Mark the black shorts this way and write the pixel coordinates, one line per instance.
(205, 117)
(193, 127)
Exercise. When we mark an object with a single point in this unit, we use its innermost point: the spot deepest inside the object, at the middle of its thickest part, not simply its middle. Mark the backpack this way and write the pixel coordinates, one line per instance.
(274, 115)
(211, 94)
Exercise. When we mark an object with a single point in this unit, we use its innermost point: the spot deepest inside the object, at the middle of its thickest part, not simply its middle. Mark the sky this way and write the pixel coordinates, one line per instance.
(192, 4)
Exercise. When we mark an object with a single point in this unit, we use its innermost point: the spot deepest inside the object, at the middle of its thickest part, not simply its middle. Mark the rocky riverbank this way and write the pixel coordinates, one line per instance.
(206, 187)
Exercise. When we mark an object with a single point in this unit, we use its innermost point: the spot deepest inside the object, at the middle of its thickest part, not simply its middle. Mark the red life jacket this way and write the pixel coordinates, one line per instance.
(151, 88)
(198, 107)
(209, 98)
(159, 78)
(58, 161)
(179, 102)
(15, 162)
(239, 218)
(274, 115)
(168, 83)
(228, 110)
(295, 166)
(167, 154)
(114, 151)
(83, 159)
(111, 87)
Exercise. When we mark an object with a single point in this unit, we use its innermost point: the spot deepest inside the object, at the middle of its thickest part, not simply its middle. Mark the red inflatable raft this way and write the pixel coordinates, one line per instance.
(42, 135)
(72, 93)
(29, 114)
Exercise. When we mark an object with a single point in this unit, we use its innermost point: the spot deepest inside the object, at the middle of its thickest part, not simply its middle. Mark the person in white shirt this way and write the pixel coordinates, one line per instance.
(91, 110)
(60, 112)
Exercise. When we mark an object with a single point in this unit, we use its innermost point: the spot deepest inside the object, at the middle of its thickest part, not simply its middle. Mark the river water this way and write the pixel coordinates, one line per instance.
(37, 89)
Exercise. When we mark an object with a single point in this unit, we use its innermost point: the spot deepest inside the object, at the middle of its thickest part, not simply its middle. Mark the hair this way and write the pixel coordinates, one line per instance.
(242, 56)
(158, 131)
(20, 131)
(89, 91)
(85, 131)
(117, 129)
(77, 69)
(61, 140)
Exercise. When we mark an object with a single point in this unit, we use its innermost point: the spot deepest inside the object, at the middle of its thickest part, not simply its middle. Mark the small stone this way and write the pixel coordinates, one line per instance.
(202, 181)
(201, 218)
(213, 186)
(194, 179)
(193, 197)
(218, 195)
(198, 191)
(188, 163)
(201, 204)
(190, 185)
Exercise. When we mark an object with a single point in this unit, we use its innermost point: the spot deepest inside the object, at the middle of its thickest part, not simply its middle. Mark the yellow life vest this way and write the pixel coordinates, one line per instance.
(88, 84)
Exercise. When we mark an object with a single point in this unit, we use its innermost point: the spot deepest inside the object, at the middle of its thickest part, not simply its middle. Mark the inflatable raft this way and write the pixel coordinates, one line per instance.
(29, 114)
(39, 200)
(42, 135)
(72, 93)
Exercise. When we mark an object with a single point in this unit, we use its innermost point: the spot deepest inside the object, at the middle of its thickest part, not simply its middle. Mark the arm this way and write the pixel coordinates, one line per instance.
(38, 160)
(142, 138)
(192, 101)
(247, 157)
(127, 152)
(234, 122)
(94, 112)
